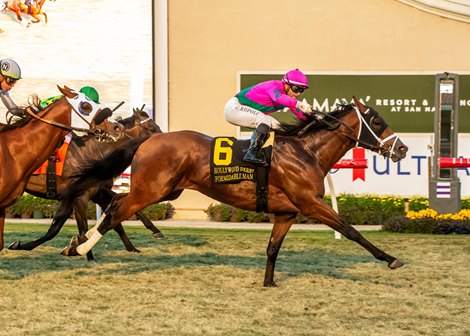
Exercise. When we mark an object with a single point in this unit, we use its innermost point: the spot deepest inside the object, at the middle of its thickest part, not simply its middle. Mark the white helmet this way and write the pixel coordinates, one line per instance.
(9, 68)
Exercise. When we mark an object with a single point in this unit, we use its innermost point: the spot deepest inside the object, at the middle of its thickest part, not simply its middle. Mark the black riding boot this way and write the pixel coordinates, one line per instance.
(258, 138)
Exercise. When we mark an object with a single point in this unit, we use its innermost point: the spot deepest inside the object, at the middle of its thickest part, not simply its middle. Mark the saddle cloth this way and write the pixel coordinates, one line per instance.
(227, 166)
(58, 156)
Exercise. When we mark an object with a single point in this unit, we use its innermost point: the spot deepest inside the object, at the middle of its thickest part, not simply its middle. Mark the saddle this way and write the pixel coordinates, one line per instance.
(227, 166)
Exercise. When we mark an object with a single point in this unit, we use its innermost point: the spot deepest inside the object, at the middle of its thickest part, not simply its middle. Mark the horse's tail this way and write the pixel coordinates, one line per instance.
(96, 171)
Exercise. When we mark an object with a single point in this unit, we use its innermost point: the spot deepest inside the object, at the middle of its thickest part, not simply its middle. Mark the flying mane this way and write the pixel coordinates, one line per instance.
(294, 129)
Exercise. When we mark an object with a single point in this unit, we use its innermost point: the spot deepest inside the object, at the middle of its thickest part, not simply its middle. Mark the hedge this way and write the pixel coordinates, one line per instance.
(28, 204)
(388, 211)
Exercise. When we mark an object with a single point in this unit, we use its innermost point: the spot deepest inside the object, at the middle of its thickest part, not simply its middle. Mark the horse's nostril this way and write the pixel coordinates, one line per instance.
(117, 129)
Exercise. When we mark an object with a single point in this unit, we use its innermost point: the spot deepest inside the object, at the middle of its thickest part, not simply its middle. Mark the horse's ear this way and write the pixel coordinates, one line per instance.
(66, 91)
(359, 105)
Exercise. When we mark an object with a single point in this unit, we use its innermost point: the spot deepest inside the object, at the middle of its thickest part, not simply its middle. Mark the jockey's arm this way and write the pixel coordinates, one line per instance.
(7, 101)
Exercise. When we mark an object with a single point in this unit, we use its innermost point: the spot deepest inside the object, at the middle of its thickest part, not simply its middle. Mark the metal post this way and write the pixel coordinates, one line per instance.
(444, 185)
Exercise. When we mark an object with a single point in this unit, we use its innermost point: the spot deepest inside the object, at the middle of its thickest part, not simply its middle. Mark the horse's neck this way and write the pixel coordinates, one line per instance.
(330, 146)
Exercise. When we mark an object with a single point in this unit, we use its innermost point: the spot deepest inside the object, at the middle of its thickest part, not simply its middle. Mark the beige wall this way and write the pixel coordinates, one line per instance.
(210, 40)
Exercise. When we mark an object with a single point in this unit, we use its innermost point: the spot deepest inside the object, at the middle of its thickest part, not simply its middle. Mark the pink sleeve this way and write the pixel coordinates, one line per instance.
(298, 113)
(285, 100)
(281, 98)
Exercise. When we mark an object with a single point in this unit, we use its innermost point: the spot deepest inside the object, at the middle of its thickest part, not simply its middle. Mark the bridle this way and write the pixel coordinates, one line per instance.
(381, 147)
(93, 129)
(138, 122)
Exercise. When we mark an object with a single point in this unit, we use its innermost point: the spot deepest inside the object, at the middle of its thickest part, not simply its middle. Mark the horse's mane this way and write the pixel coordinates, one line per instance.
(294, 129)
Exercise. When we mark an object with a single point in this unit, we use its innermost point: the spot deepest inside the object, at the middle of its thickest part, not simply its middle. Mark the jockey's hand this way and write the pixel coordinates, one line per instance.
(318, 116)
(305, 107)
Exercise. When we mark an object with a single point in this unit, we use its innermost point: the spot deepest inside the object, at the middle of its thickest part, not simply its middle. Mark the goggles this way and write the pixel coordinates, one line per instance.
(9, 80)
(297, 89)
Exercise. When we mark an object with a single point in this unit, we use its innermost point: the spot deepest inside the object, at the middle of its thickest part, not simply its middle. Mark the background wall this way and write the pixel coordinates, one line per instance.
(103, 43)
(211, 40)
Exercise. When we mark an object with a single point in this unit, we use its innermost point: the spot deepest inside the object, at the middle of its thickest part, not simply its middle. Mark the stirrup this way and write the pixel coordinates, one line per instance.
(253, 158)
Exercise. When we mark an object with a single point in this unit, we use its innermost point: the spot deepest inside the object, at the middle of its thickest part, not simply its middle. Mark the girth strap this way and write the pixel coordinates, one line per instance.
(262, 174)
(51, 177)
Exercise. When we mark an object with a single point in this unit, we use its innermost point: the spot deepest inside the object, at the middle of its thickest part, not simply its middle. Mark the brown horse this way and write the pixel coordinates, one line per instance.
(26, 145)
(34, 8)
(137, 126)
(168, 163)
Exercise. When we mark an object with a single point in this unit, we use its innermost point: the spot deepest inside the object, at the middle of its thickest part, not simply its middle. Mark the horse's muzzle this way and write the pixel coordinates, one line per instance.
(399, 151)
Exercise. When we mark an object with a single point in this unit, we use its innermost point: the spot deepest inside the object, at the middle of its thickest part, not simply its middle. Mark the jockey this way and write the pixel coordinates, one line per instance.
(10, 73)
(251, 108)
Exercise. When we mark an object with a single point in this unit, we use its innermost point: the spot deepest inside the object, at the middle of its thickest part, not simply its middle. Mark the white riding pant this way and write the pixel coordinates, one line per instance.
(242, 115)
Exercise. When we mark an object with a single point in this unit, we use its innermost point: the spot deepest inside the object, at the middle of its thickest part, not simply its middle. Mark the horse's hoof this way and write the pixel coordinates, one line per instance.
(395, 264)
(14, 245)
(159, 235)
(70, 251)
(271, 284)
(76, 240)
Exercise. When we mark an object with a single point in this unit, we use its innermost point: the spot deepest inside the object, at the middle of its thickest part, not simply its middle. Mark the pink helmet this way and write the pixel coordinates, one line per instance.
(296, 77)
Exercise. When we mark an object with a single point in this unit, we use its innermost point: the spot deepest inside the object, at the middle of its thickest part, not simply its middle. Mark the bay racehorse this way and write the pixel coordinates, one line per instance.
(168, 163)
(25, 145)
(81, 149)
(33, 8)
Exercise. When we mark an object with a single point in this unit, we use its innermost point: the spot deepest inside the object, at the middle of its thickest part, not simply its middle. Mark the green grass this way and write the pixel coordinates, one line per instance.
(209, 282)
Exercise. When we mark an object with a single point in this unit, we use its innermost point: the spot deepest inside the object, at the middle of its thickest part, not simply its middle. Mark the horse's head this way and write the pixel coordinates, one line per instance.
(139, 124)
(89, 115)
(143, 119)
(375, 134)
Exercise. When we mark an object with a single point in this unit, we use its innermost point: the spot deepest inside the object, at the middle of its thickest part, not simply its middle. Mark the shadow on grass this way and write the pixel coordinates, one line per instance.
(20, 264)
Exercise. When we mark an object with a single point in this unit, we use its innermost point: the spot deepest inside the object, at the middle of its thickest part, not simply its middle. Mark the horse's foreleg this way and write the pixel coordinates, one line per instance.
(326, 215)
(282, 224)
(2, 226)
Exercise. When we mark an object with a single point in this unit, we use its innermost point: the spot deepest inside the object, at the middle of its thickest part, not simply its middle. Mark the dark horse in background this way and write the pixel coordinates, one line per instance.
(33, 8)
(168, 163)
(26, 145)
(138, 126)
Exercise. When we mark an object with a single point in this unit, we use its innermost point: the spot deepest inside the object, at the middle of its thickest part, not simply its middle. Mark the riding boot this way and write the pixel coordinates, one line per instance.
(258, 138)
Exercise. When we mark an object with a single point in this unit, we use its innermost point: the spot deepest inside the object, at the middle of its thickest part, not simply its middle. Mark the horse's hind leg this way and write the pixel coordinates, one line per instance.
(80, 205)
(2, 226)
(326, 215)
(104, 196)
(149, 225)
(282, 224)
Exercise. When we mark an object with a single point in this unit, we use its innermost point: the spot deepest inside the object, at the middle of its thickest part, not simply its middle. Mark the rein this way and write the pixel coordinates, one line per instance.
(60, 125)
(379, 148)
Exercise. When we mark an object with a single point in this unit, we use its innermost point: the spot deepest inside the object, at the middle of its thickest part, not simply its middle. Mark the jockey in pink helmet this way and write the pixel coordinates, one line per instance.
(251, 108)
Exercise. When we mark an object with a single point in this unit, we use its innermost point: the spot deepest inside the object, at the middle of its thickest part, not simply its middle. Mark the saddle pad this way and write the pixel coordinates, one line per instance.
(60, 155)
(227, 165)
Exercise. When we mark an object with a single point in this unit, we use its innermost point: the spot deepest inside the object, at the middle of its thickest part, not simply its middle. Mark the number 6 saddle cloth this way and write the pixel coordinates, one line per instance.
(227, 165)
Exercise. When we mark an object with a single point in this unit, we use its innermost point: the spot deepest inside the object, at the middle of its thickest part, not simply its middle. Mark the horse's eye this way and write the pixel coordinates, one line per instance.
(376, 123)
(86, 107)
